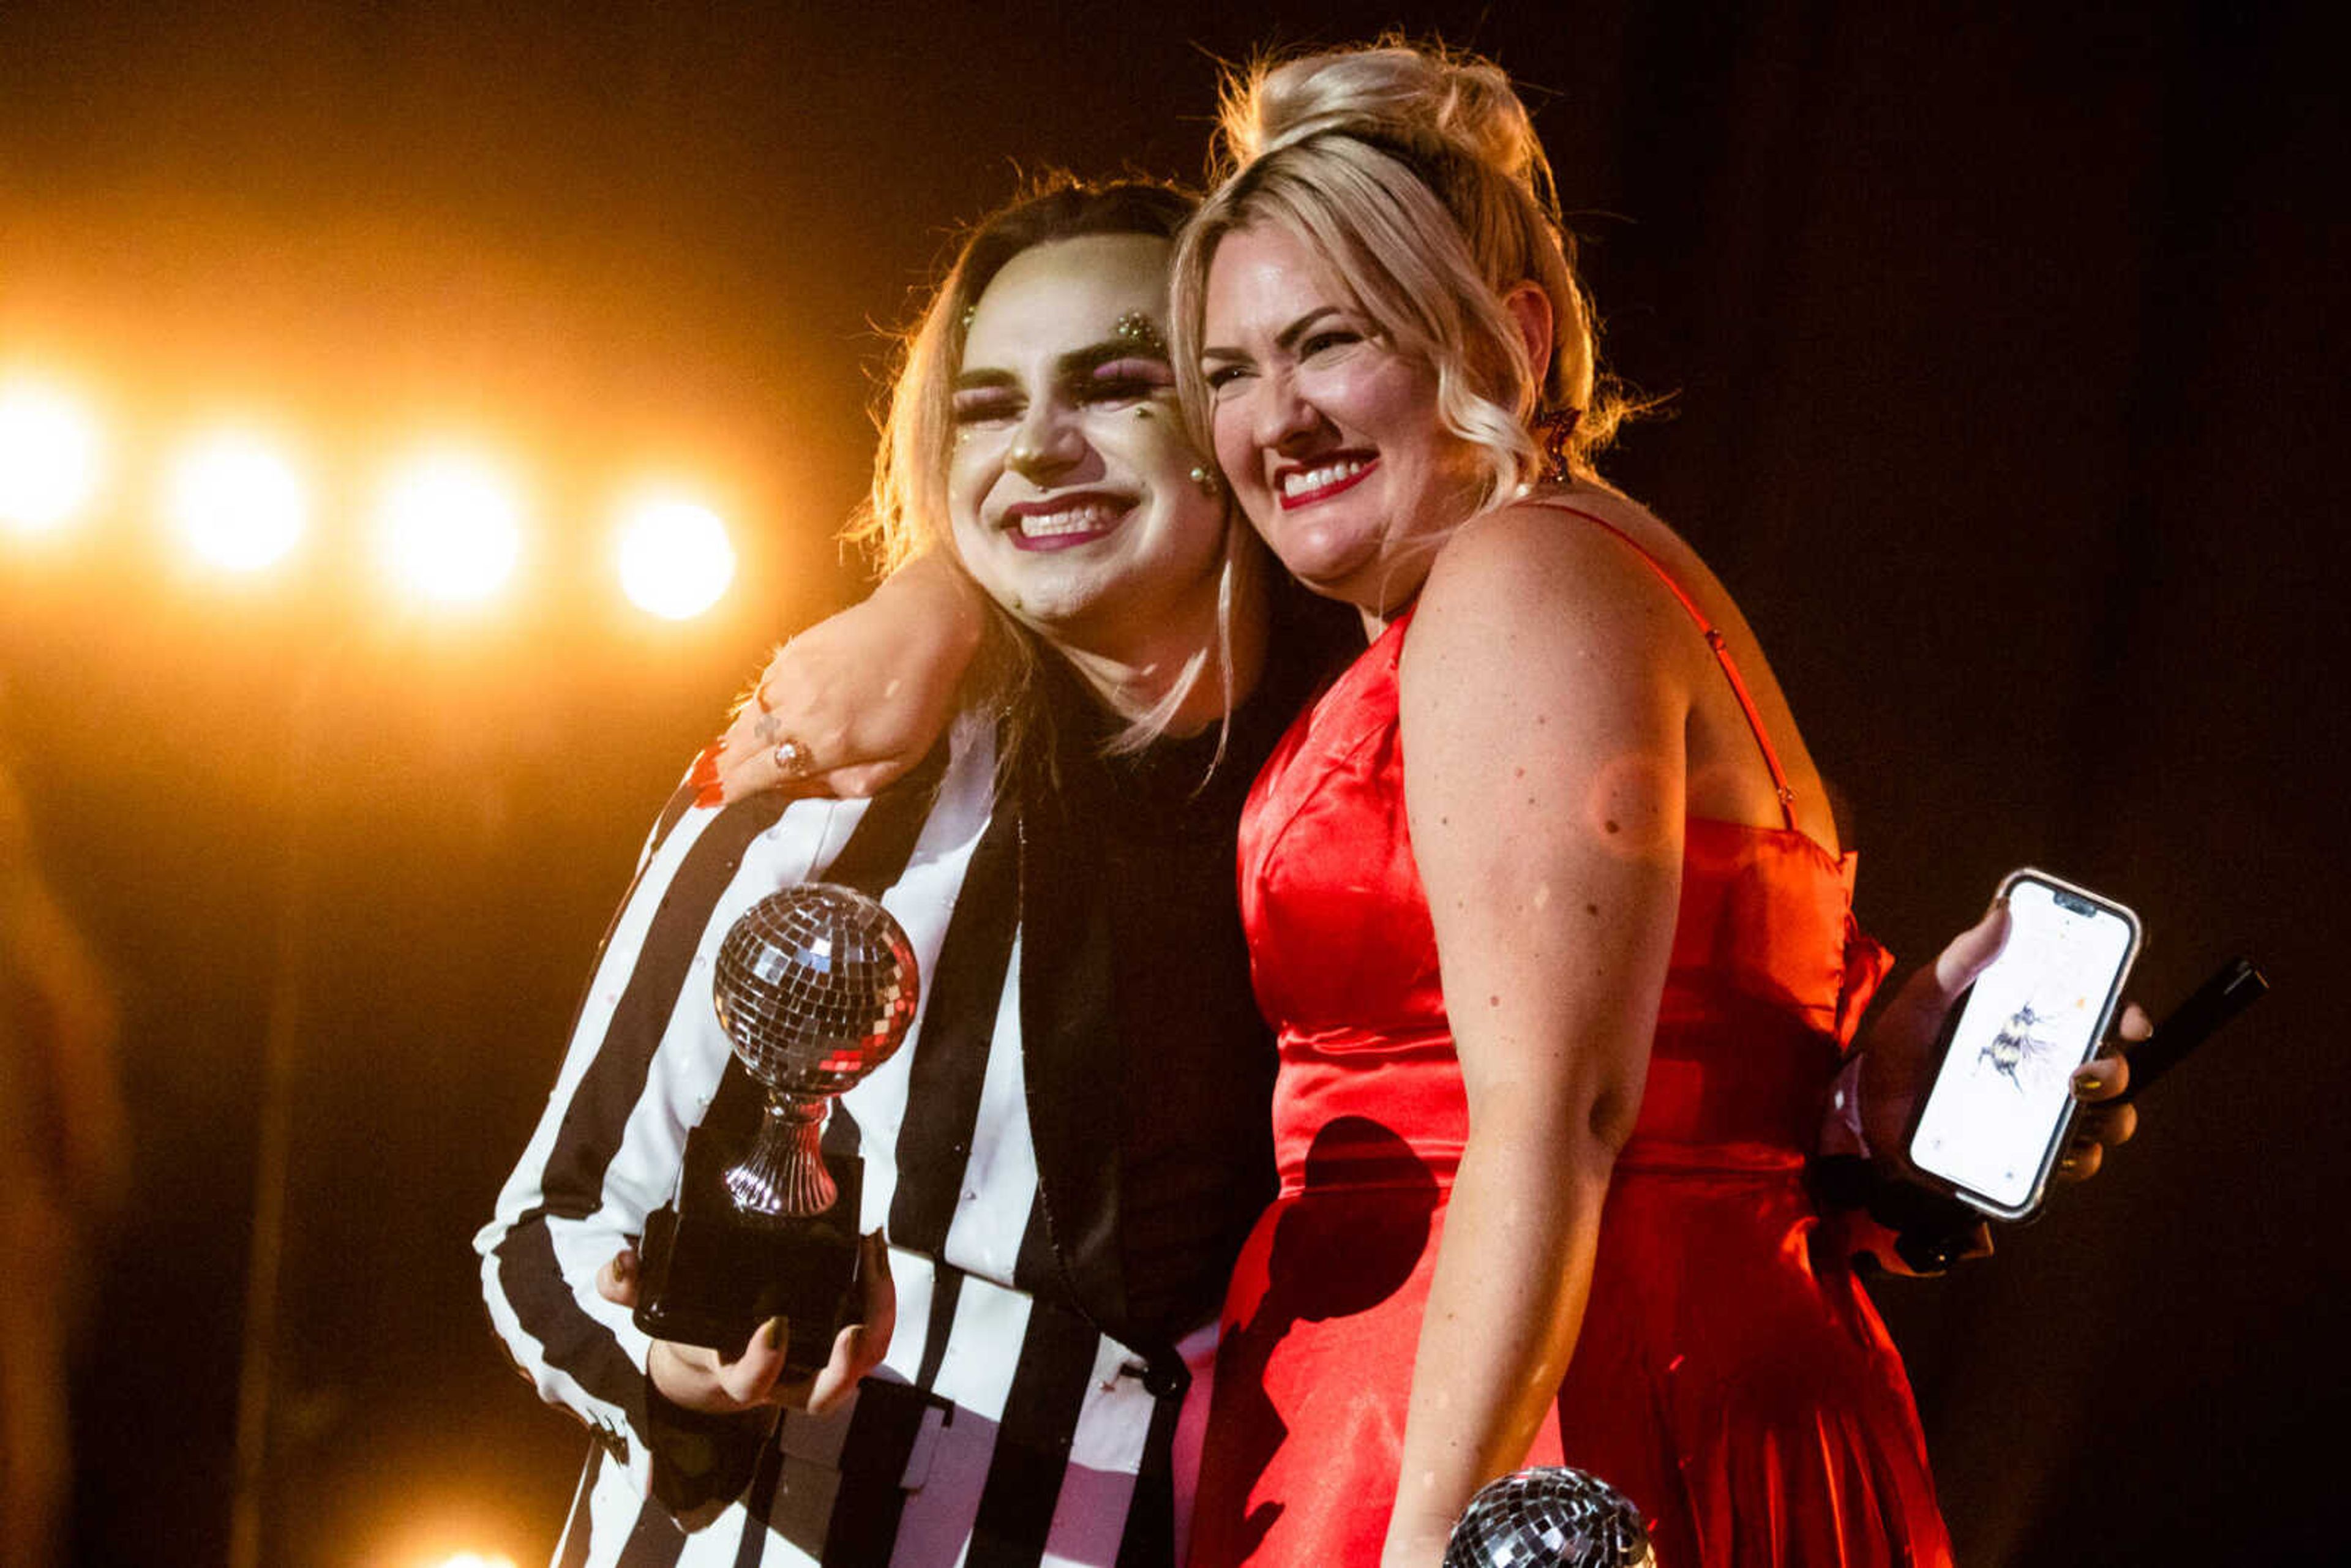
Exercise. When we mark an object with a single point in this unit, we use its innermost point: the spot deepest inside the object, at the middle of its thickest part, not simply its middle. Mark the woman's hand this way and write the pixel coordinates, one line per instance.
(857, 699)
(2100, 1124)
(700, 1379)
(1898, 1061)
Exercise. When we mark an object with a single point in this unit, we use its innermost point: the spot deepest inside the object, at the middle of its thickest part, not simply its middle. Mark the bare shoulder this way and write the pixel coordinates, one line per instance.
(1536, 570)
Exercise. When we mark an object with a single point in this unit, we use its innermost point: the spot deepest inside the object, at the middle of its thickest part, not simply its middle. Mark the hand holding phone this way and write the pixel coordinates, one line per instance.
(1990, 1129)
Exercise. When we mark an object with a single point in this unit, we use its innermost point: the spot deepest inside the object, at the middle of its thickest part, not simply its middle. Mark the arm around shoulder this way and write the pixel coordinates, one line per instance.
(865, 692)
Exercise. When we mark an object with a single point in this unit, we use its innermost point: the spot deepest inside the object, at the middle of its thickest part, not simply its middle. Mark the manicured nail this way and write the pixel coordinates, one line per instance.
(2070, 1164)
(774, 1332)
(2088, 1081)
(711, 797)
(705, 767)
(624, 1266)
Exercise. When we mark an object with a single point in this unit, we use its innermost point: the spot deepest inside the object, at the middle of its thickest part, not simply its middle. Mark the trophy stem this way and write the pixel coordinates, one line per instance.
(783, 1176)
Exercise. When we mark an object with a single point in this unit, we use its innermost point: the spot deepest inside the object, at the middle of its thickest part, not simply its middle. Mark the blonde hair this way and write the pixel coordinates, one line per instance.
(1415, 173)
(906, 513)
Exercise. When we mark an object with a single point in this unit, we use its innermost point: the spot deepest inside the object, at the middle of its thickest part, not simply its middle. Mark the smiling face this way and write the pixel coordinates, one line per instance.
(1330, 439)
(1071, 486)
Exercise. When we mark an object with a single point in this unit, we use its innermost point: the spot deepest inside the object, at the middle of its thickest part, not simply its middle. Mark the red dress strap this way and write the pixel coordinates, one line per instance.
(1714, 640)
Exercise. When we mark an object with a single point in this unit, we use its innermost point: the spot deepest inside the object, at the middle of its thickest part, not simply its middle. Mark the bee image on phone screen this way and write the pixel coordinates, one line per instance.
(1989, 1127)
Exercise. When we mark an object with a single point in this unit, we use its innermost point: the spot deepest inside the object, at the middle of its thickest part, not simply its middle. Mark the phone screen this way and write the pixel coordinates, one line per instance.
(1991, 1122)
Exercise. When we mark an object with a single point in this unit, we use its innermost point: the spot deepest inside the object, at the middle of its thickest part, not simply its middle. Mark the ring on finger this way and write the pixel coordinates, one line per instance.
(793, 758)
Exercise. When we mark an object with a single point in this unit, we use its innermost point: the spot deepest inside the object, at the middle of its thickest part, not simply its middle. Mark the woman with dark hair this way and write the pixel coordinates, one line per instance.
(1068, 1150)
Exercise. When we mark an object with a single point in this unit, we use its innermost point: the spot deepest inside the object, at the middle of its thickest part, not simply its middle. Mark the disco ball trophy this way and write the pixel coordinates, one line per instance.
(1550, 1517)
(815, 988)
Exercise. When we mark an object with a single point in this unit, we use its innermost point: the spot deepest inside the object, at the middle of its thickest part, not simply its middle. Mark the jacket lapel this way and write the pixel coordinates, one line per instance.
(1073, 1061)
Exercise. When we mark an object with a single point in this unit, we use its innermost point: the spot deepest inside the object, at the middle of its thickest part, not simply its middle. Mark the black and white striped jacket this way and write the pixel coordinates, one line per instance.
(1008, 1424)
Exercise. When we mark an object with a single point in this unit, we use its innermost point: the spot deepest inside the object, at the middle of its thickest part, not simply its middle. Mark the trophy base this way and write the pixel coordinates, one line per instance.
(710, 1274)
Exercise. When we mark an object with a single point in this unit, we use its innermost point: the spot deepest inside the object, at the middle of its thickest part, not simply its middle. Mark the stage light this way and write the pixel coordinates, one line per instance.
(674, 557)
(235, 502)
(50, 451)
(474, 1560)
(450, 527)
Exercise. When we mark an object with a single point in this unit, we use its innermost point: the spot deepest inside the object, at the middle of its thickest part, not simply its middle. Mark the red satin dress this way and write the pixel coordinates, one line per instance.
(1732, 1377)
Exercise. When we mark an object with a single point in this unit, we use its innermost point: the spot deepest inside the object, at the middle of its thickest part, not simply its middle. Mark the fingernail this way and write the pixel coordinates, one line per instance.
(774, 1332)
(2069, 1164)
(705, 767)
(624, 1266)
(711, 797)
(2088, 1081)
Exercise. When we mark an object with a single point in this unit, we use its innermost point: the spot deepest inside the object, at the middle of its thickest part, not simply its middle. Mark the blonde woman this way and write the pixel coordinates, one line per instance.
(1544, 898)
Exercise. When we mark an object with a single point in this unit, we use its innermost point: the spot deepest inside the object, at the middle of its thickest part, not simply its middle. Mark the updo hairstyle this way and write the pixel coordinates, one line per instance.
(1415, 173)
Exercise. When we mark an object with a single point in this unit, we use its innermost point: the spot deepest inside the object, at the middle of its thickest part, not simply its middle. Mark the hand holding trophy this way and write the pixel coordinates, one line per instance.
(816, 987)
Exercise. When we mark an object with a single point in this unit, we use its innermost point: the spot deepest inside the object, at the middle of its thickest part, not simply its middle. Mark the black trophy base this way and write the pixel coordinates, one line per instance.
(710, 1275)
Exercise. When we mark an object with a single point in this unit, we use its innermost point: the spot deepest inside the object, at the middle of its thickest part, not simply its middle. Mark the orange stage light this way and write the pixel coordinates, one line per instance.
(235, 502)
(675, 558)
(50, 456)
(449, 529)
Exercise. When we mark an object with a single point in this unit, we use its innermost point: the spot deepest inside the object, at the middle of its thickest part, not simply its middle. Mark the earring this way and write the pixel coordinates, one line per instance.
(1206, 477)
(1555, 436)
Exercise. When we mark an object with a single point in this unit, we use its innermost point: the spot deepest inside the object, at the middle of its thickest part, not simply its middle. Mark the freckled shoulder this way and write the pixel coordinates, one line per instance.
(1536, 570)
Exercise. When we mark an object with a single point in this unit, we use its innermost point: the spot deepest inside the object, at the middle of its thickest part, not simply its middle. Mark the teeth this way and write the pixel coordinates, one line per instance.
(1078, 520)
(1315, 478)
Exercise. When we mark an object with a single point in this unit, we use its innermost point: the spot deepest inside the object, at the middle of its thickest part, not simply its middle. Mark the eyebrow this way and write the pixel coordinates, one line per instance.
(1076, 362)
(1286, 339)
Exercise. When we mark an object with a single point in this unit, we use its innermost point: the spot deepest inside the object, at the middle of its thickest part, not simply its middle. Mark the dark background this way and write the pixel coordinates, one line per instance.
(2008, 348)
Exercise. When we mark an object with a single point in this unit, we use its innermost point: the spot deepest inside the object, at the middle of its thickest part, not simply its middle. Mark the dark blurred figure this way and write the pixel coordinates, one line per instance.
(62, 1170)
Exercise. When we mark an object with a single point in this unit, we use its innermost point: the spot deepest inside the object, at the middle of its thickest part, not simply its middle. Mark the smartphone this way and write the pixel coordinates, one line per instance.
(1990, 1128)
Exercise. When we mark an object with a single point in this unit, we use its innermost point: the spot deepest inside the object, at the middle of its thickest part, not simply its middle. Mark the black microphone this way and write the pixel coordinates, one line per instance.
(2234, 986)
(1550, 1517)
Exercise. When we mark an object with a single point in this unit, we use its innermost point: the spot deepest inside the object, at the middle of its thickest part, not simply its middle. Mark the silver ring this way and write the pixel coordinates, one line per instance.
(792, 759)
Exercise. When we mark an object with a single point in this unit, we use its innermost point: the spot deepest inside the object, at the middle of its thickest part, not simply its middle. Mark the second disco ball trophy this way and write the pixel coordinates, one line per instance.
(1550, 1517)
(815, 987)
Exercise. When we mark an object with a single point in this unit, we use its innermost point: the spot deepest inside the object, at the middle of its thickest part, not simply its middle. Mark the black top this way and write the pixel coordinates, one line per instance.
(1150, 841)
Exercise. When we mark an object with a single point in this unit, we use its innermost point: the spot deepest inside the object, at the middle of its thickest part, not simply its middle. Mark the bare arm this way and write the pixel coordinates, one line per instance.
(865, 693)
(1544, 698)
